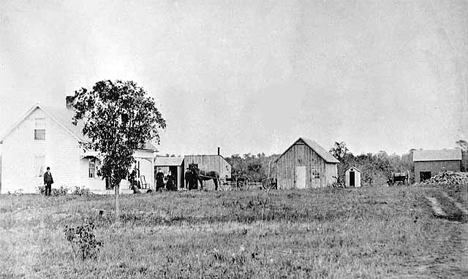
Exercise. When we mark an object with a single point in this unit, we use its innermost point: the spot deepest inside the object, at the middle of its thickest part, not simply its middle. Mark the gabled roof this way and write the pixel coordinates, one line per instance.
(168, 161)
(317, 148)
(63, 117)
(437, 155)
(69, 127)
(354, 168)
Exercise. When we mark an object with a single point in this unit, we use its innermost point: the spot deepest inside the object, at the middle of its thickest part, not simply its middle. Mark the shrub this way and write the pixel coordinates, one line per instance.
(62, 191)
(81, 191)
(40, 189)
(83, 241)
(338, 185)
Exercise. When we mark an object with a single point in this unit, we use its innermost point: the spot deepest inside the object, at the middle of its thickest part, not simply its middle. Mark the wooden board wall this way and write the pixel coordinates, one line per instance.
(319, 173)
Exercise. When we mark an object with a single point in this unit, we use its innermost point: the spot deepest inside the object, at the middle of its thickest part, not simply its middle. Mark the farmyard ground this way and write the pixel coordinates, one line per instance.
(377, 232)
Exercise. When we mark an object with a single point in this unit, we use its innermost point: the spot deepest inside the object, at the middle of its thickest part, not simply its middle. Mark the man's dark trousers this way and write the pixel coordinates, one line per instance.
(48, 189)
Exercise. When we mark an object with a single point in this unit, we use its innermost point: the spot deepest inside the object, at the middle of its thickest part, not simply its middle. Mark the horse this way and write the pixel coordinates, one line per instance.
(201, 175)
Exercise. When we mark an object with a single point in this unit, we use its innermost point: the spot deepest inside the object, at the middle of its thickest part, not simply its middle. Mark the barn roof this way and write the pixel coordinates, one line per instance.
(209, 155)
(317, 148)
(168, 161)
(437, 155)
(63, 117)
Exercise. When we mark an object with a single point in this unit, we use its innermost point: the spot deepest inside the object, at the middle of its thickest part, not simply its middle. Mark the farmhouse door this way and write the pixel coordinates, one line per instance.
(352, 179)
(301, 177)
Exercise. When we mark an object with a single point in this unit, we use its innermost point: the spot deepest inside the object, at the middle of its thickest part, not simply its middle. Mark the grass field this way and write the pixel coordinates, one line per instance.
(375, 232)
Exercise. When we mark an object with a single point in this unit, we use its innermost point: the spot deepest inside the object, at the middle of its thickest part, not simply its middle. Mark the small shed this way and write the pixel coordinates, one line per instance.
(210, 163)
(170, 165)
(428, 163)
(353, 177)
(305, 164)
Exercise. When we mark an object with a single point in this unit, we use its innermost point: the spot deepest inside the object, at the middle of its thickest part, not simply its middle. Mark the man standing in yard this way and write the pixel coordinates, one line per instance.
(48, 181)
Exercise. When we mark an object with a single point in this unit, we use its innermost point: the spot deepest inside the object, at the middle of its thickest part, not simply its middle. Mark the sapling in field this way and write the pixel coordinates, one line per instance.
(83, 241)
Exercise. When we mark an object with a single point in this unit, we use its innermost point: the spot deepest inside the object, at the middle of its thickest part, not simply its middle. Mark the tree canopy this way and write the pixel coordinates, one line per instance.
(118, 118)
(339, 150)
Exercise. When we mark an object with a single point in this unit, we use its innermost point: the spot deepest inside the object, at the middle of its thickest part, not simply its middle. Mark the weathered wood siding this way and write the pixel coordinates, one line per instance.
(435, 167)
(318, 172)
(332, 173)
(210, 163)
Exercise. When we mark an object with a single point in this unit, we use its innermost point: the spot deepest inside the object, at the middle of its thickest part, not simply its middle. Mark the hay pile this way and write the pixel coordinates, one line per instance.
(448, 177)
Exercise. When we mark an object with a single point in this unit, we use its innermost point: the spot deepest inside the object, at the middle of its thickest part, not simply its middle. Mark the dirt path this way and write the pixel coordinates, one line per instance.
(436, 207)
(462, 235)
(457, 204)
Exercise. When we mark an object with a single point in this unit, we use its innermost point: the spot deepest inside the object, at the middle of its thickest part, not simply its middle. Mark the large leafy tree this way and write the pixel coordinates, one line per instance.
(118, 118)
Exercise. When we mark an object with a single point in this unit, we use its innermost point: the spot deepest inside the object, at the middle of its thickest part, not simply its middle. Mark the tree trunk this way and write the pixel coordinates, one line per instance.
(117, 206)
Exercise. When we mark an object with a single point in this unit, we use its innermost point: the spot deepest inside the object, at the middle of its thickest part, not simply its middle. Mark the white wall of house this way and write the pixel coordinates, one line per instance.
(95, 183)
(25, 159)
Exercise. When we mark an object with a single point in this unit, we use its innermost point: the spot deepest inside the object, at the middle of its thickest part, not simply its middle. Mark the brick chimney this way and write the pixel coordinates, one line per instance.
(219, 150)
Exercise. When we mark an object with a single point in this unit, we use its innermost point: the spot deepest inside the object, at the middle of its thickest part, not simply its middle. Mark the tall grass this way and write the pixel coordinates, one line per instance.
(323, 233)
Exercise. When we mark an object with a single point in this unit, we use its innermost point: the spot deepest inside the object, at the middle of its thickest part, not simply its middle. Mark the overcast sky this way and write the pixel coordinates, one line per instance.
(253, 76)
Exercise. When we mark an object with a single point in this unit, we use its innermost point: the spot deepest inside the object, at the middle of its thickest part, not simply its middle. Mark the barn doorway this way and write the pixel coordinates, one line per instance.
(425, 175)
(352, 179)
(300, 177)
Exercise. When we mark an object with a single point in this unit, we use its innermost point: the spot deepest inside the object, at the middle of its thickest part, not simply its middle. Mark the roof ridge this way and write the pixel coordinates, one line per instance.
(437, 155)
(28, 113)
(324, 154)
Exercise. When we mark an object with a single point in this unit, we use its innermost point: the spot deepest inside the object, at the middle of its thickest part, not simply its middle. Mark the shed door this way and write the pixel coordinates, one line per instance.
(352, 179)
(301, 177)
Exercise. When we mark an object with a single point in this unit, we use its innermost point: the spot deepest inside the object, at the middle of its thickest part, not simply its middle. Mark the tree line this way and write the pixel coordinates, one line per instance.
(376, 168)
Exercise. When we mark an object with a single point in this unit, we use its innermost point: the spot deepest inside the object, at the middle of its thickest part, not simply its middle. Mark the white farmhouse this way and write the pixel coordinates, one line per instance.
(45, 137)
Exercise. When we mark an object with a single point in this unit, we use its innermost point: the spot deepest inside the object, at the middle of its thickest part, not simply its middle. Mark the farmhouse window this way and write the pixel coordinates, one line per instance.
(39, 129)
(39, 163)
(92, 168)
(315, 173)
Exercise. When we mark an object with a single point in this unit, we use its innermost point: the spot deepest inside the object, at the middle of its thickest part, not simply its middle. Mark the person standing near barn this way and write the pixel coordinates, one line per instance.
(48, 181)
(159, 180)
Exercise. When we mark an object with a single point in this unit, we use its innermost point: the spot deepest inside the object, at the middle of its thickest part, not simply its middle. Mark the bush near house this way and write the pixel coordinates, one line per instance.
(63, 190)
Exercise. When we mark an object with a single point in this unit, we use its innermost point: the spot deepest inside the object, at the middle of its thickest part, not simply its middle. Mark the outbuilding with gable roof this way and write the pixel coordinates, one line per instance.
(305, 164)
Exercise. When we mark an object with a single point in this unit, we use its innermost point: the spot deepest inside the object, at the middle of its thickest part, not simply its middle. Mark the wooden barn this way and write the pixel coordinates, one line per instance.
(305, 164)
(353, 177)
(210, 163)
(428, 163)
